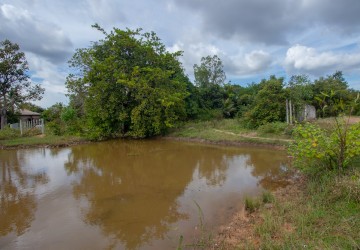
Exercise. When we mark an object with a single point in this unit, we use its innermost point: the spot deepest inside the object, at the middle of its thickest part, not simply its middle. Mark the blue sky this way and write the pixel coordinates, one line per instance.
(254, 38)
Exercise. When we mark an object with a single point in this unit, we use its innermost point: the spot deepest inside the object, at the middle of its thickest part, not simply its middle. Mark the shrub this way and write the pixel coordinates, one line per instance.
(316, 149)
(273, 128)
(9, 133)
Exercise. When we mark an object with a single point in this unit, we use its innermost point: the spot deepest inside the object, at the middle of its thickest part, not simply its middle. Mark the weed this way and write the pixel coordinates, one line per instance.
(251, 204)
(267, 197)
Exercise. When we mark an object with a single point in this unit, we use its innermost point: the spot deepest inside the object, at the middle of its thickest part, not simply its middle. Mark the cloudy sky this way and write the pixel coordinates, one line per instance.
(254, 38)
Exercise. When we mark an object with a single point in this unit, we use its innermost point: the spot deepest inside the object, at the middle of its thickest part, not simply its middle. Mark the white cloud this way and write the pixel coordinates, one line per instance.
(256, 61)
(33, 34)
(302, 59)
(50, 77)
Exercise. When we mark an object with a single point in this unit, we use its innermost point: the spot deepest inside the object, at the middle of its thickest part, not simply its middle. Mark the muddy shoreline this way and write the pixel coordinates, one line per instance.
(239, 231)
(173, 138)
(226, 142)
(56, 145)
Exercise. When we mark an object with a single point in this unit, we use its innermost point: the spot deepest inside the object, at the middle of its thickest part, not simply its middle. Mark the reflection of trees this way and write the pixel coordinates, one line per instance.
(132, 186)
(17, 201)
(214, 168)
(269, 166)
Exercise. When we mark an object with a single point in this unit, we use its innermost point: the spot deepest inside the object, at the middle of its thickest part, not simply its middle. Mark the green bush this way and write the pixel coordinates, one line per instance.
(54, 128)
(9, 133)
(273, 128)
(316, 150)
(32, 132)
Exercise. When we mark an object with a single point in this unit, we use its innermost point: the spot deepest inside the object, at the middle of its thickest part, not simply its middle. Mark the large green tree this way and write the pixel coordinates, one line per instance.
(269, 103)
(15, 87)
(332, 95)
(128, 84)
(210, 72)
(210, 78)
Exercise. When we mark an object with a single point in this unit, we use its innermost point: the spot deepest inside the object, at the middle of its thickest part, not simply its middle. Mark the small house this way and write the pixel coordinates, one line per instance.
(27, 115)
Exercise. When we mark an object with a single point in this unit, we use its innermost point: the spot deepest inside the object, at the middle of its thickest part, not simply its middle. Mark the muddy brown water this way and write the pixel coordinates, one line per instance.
(126, 194)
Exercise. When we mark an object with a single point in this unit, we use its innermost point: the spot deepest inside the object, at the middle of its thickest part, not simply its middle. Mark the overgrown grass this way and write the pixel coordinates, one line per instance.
(228, 130)
(41, 140)
(9, 133)
(326, 216)
(251, 204)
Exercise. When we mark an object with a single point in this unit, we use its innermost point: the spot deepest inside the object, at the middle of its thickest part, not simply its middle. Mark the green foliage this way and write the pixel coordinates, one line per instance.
(210, 72)
(273, 128)
(128, 84)
(332, 96)
(268, 104)
(15, 87)
(267, 197)
(52, 118)
(9, 133)
(251, 204)
(316, 149)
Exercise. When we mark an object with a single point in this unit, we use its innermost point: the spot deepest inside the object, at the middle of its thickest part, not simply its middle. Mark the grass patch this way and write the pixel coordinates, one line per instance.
(227, 130)
(267, 197)
(41, 140)
(251, 204)
(325, 216)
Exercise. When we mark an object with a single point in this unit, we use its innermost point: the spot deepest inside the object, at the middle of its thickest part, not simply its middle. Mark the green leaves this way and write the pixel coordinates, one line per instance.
(15, 87)
(316, 149)
(132, 85)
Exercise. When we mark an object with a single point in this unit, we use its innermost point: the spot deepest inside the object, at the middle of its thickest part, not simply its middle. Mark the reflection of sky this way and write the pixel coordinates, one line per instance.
(59, 216)
(217, 201)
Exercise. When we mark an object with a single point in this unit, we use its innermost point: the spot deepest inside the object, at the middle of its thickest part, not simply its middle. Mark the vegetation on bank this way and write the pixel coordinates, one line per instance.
(233, 130)
(320, 209)
(312, 213)
(11, 138)
(129, 85)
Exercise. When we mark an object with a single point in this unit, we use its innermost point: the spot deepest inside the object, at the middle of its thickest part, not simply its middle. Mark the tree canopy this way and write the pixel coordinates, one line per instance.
(128, 84)
(15, 87)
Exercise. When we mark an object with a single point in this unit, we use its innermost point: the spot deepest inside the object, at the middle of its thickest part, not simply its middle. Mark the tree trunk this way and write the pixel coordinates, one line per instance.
(3, 118)
(3, 112)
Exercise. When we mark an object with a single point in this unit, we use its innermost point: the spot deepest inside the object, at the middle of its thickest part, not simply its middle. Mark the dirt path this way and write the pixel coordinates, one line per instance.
(253, 137)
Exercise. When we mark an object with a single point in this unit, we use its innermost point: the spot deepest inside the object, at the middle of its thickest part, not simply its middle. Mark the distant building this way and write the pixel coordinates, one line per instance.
(27, 115)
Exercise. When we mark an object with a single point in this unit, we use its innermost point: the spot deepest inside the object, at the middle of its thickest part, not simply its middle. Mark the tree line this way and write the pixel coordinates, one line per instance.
(128, 84)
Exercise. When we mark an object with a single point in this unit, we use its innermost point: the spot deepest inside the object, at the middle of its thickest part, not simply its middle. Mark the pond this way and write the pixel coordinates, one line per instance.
(126, 194)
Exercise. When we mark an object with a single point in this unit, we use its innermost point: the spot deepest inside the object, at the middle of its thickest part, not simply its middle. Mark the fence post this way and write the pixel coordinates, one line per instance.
(21, 129)
(42, 126)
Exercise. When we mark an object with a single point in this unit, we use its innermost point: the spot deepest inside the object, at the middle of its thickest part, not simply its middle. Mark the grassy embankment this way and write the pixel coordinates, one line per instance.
(219, 131)
(10, 138)
(321, 213)
(232, 131)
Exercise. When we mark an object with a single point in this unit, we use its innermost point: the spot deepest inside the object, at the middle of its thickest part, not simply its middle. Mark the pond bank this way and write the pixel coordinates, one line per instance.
(40, 141)
(319, 213)
(226, 142)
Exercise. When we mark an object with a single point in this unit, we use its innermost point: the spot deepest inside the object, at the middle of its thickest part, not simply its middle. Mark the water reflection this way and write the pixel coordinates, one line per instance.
(125, 194)
(132, 187)
(17, 199)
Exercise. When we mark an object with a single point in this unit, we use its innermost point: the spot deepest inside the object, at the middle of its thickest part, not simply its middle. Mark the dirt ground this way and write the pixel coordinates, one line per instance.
(240, 230)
